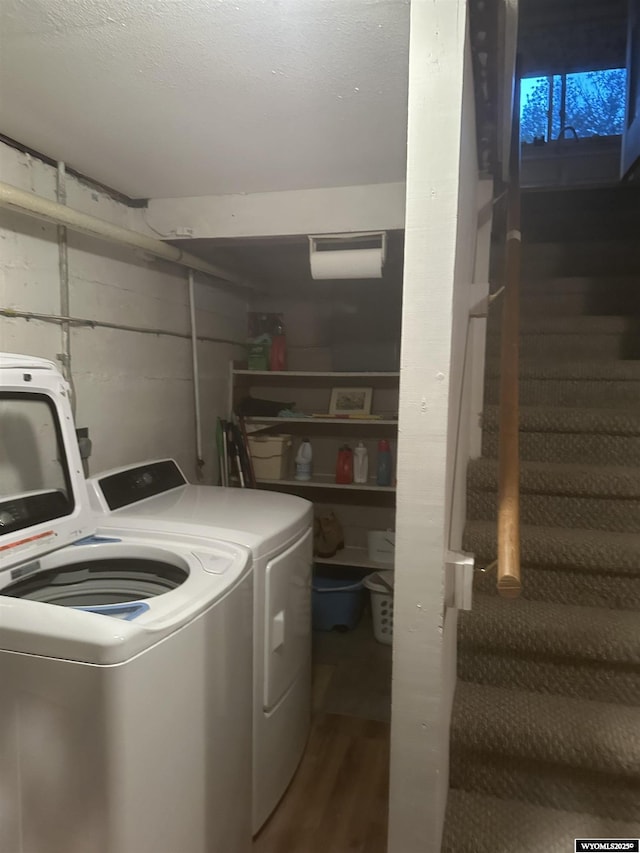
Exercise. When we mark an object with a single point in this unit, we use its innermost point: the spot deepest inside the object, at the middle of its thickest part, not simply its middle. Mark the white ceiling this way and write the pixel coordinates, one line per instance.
(163, 98)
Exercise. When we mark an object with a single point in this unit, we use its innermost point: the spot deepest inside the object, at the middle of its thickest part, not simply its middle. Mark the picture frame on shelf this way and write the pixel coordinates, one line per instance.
(346, 402)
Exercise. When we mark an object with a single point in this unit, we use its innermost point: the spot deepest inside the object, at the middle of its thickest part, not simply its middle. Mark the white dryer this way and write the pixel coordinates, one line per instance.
(125, 661)
(277, 528)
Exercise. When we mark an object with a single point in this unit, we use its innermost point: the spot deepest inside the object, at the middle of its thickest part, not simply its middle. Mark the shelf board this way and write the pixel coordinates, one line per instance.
(335, 421)
(328, 482)
(355, 557)
(316, 374)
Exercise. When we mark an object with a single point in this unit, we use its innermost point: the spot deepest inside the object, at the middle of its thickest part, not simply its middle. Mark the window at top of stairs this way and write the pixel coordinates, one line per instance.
(584, 104)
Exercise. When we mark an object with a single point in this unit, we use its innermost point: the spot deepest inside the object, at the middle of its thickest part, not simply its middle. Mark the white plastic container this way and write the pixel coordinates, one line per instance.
(304, 460)
(381, 605)
(360, 464)
(271, 456)
(381, 545)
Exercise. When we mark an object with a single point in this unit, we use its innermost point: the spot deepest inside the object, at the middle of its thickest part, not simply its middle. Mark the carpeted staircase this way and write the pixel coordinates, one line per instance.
(545, 738)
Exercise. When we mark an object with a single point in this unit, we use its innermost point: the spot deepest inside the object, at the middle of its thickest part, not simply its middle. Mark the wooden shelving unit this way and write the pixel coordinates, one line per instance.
(360, 507)
(353, 557)
(334, 421)
(320, 481)
(278, 376)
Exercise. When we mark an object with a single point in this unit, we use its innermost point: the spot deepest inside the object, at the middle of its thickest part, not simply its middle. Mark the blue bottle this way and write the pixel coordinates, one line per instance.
(383, 476)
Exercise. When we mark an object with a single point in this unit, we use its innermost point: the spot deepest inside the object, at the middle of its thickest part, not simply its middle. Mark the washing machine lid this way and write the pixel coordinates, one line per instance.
(105, 601)
(43, 497)
(155, 496)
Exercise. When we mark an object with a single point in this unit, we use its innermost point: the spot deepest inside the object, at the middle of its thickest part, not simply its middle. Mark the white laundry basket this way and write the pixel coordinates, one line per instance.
(381, 605)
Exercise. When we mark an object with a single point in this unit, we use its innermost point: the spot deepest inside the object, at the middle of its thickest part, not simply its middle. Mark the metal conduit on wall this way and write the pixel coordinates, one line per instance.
(88, 323)
(17, 200)
(196, 375)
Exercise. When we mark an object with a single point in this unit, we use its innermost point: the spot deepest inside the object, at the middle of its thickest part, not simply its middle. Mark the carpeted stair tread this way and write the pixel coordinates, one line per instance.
(578, 679)
(576, 295)
(556, 346)
(621, 370)
(537, 628)
(582, 496)
(548, 478)
(569, 420)
(547, 749)
(580, 325)
(477, 823)
(598, 737)
(587, 258)
(606, 514)
(574, 587)
(594, 448)
(557, 786)
(575, 304)
(581, 652)
(575, 384)
(560, 548)
(565, 284)
(570, 393)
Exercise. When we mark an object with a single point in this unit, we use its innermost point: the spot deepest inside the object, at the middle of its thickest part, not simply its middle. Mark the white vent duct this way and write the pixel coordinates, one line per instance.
(340, 256)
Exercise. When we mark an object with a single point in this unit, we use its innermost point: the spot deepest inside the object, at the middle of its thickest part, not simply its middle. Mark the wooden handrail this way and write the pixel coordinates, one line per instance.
(509, 582)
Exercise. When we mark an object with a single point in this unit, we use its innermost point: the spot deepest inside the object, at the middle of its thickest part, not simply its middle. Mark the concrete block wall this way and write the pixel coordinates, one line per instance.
(133, 390)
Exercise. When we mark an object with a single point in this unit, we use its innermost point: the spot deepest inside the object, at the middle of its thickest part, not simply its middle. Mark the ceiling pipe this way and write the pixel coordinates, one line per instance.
(63, 268)
(196, 376)
(38, 207)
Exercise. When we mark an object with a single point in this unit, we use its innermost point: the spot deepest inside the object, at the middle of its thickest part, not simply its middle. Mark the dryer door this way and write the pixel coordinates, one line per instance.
(287, 618)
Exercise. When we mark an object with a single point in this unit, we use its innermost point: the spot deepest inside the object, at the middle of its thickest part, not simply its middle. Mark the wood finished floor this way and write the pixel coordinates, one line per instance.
(338, 799)
(337, 802)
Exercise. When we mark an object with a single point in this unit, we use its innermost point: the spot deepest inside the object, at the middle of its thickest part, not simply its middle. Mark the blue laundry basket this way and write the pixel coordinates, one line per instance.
(336, 603)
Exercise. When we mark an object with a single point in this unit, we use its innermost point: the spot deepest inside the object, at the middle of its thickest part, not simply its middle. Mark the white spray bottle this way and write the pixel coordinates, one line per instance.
(360, 464)
(303, 460)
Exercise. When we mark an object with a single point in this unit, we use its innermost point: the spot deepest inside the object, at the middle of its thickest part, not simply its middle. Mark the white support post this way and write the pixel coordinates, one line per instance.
(440, 216)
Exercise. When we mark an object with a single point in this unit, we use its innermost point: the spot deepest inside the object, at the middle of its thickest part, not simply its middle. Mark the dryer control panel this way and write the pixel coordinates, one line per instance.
(130, 485)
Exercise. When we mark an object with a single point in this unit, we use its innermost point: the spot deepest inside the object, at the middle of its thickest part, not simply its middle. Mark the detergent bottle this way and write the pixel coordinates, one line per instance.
(303, 460)
(360, 464)
(344, 466)
(384, 472)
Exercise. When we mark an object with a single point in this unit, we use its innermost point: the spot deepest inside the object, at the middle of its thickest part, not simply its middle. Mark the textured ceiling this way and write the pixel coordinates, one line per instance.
(195, 97)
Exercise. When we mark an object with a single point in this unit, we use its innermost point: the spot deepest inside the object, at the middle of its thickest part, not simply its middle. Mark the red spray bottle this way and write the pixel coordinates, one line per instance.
(344, 466)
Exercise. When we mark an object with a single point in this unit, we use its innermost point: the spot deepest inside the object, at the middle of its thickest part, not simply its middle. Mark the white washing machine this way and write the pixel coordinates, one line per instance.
(125, 661)
(277, 528)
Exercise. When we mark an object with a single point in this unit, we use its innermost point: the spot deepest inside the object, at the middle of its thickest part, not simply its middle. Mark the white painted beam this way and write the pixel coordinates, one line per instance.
(374, 207)
(424, 633)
